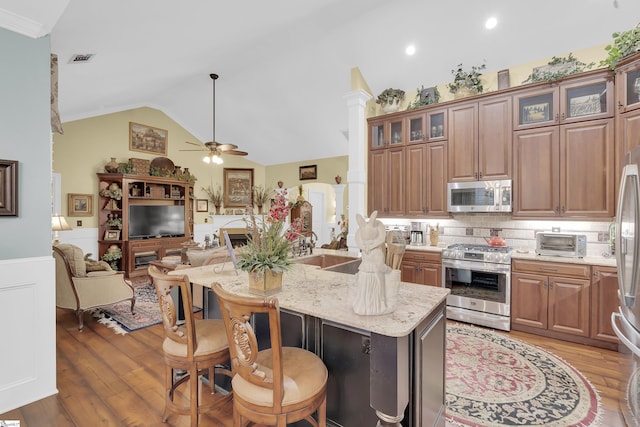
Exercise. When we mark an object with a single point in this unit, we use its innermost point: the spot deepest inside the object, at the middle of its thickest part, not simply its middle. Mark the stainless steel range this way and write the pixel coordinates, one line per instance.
(479, 277)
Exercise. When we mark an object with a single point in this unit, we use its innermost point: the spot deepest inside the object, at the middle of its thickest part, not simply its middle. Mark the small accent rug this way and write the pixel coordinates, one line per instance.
(495, 380)
(119, 318)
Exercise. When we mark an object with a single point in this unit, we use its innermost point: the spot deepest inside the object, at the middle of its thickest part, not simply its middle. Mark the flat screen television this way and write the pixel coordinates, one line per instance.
(147, 221)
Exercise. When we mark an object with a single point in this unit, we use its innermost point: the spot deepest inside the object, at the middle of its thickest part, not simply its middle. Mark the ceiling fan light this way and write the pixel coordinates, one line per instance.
(206, 159)
(217, 159)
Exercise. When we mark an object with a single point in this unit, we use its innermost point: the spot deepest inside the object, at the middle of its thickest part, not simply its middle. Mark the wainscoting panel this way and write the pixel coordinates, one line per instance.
(28, 319)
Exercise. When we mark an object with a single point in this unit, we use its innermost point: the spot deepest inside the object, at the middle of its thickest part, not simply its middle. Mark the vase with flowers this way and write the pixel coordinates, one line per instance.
(261, 196)
(267, 253)
(215, 195)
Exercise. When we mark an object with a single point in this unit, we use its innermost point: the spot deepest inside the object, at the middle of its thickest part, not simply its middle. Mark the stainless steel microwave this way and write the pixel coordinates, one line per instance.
(561, 244)
(479, 196)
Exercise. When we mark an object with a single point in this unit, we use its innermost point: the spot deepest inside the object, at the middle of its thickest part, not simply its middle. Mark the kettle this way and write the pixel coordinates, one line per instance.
(496, 241)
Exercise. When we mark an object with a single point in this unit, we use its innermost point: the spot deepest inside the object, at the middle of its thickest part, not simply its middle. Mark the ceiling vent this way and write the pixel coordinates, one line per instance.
(80, 58)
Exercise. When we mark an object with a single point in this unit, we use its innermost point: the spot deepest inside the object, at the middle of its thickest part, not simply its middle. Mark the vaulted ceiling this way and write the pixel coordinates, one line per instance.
(284, 65)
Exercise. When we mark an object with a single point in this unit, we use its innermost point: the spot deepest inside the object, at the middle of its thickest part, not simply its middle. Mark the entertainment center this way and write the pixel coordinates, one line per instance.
(144, 217)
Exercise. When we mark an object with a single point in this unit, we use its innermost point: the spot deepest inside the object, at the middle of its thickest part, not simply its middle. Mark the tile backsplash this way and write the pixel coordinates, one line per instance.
(519, 234)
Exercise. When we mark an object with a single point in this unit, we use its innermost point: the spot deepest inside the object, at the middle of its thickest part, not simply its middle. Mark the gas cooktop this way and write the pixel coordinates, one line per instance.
(478, 252)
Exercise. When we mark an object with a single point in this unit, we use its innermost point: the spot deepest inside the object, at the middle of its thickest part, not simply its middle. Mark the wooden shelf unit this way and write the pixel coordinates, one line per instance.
(141, 190)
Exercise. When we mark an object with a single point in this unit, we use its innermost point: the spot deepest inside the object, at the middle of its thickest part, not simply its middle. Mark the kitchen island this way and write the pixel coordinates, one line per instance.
(401, 355)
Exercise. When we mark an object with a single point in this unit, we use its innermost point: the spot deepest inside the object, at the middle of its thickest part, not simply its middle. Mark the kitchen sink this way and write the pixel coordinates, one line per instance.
(325, 260)
(349, 267)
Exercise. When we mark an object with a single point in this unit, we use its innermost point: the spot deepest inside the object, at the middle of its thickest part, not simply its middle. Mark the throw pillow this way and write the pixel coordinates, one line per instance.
(76, 259)
(97, 266)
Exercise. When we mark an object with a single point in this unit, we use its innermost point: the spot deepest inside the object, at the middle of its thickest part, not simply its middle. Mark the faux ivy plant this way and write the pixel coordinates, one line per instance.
(425, 97)
(558, 68)
(390, 96)
(468, 79)
(624, 44)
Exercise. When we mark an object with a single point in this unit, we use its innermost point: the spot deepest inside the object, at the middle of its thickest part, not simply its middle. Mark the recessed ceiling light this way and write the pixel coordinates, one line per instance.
(491, 23)
(410, 50)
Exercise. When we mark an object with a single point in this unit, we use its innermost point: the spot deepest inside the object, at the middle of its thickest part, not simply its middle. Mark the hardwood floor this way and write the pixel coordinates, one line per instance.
(106, 379)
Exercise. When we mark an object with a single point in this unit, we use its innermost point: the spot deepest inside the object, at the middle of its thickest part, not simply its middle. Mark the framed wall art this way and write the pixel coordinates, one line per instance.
(202, 205)
(147, 139)
(308, 172)
(238, 188)
(8, 188)
(80, 205)
(112, 235)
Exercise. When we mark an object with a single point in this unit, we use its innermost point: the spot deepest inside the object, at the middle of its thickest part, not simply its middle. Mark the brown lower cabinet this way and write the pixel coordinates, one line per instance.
(142, 252)
(559, 300)
(422, 267)
(604, 301)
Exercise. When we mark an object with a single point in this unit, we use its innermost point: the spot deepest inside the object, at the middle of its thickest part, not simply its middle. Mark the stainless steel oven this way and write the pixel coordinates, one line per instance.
(479, 277)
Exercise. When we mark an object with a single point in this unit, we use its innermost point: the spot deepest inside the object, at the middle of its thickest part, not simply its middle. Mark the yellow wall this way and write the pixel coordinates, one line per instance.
(517, 74)
(88, 144)
(328, 168)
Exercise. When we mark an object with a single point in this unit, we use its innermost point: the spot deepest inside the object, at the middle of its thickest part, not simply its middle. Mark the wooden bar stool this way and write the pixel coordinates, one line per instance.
(195, 347)
(275, 386)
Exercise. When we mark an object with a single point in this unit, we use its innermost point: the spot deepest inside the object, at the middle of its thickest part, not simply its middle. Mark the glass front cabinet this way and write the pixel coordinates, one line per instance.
(385, 133)
(576, 100)
(429, 126)
(628, 84)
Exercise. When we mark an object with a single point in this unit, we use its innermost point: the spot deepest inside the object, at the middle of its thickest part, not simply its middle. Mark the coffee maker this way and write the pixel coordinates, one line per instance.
(419, 233)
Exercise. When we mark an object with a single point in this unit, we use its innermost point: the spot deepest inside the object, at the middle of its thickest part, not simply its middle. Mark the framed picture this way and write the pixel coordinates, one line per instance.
(202, 205)
(8, 188)
(112, 235)
(147, 139)
(308, 172)
(584, 105)
(238, 188)
(534, 113)
(80, 205)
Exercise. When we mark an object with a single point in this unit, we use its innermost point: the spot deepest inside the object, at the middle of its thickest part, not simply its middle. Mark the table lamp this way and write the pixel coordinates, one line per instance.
(58, 223)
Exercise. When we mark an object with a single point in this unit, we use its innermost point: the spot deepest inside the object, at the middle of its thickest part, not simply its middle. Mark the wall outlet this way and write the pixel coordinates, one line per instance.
(469, 231)
(600, 236)
(441, 230)
(79, 223)
(555, 229)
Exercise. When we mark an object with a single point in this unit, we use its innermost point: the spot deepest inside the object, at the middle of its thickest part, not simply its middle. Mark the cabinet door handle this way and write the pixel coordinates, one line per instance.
(548, 269)
(563, 209)
(595, 274)
(556, 119)
(551, 284)
(557, 209)
(620, 105)
(544, 284)
(480, 174)
(562, 116)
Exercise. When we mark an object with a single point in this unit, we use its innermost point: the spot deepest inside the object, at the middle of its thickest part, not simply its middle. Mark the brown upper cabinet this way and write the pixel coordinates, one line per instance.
(480, 140)
(430, 126)
(385, 133)
(628, 106)
(585, 98)
(565, 171)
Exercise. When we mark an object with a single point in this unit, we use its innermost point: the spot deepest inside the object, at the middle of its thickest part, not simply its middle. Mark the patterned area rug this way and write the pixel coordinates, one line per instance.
(494, 380)
(119, 318)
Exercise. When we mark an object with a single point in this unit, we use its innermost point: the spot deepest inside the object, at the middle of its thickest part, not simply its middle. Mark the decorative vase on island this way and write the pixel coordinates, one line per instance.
(264, 284)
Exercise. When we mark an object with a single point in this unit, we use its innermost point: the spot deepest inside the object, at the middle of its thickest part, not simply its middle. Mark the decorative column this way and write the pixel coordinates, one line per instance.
(339, 190)
(356, 175)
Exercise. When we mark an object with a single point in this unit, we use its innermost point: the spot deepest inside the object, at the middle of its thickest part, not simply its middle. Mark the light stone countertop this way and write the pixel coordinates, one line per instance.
(324, 294)
(591, 260)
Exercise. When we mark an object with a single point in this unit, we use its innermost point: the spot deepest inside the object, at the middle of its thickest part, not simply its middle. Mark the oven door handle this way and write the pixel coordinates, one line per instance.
(477, 266)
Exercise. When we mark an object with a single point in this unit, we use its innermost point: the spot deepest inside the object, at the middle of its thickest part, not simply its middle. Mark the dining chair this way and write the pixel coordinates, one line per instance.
(275, 386)
(193, 348)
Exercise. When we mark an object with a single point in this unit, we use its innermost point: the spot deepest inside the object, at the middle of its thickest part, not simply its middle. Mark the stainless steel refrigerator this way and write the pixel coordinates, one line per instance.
(626, 322)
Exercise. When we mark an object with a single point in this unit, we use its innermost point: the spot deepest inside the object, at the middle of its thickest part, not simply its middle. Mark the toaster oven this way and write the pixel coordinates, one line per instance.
(561, 244)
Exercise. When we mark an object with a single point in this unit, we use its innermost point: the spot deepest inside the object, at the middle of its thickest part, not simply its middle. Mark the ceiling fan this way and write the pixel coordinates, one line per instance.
(214, 148)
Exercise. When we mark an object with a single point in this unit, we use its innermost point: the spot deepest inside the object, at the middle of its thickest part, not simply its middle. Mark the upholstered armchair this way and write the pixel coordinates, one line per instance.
(78, 289)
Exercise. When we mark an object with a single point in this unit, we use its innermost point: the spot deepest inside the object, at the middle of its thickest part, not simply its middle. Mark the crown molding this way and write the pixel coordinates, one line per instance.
(22, 25)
